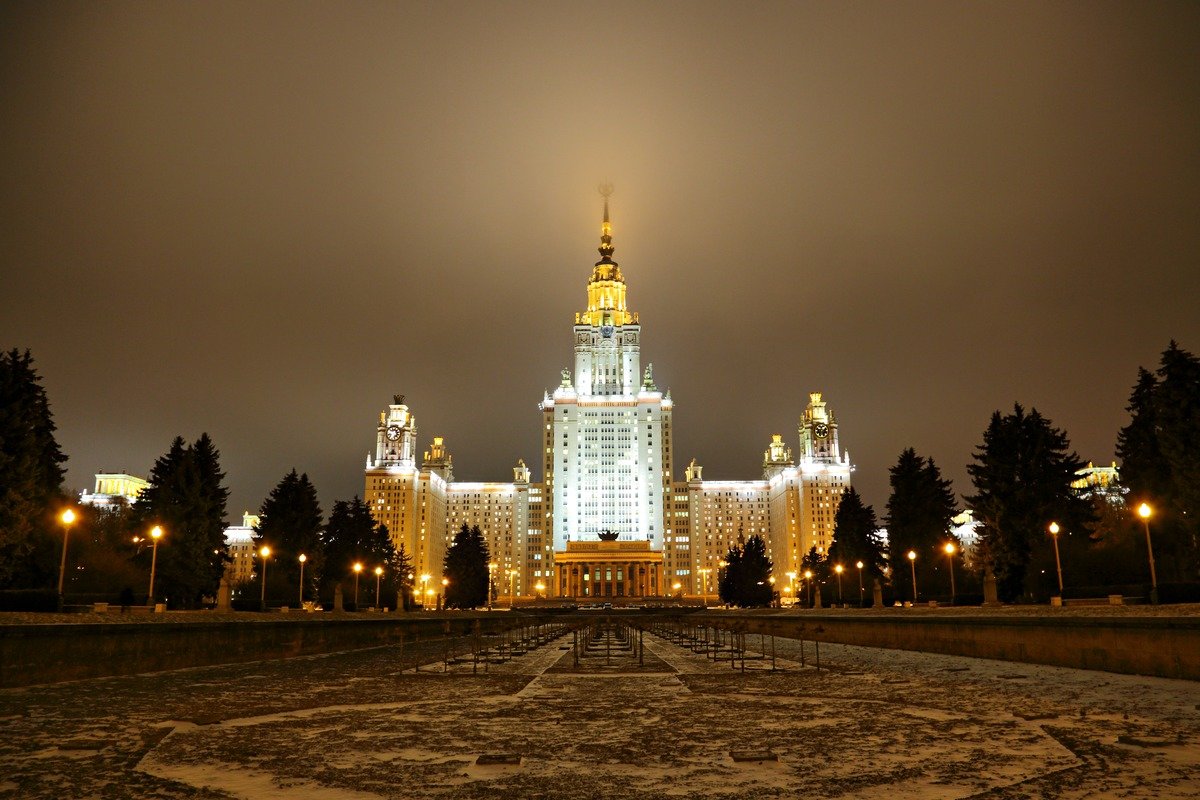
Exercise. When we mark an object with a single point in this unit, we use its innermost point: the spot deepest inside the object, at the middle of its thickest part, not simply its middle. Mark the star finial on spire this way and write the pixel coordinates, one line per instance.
(606, 245)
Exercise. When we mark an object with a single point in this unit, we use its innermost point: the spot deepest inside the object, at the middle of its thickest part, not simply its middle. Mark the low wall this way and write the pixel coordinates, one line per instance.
(34, 654)
(1167, 647)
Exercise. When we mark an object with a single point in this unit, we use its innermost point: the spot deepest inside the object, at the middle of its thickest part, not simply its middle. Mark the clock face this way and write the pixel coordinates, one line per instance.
(820, 430)
(393, 433)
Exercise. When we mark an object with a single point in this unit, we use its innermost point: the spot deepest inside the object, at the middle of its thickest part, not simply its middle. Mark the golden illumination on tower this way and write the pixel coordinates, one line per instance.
(606, 289)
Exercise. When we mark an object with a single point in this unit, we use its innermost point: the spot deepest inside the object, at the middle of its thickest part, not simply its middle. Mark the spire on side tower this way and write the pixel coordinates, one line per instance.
(606, 245)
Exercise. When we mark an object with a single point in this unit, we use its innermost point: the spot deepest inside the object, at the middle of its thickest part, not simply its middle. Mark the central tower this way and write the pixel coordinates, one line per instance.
(607, 428)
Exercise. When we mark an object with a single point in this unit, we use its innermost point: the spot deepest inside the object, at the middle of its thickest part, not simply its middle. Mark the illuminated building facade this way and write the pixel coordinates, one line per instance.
(607, 506)
(243, 561)
(113, 488)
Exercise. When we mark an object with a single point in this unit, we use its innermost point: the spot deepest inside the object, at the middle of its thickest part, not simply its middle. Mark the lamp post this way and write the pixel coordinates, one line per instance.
(512, 586)
(1054, 529)
(951, 550)
(861, 592)
(442, 599)
(425, 591)
(704, 573)
(67, 518)
(155, 534)
(262, 600)
(358, 568)
(1144, 511)
(838, 569)
(912, 562)
(808, 578)
(791, 584)
(378, 575)
(492, 567)
(540, 587)
(303, 558)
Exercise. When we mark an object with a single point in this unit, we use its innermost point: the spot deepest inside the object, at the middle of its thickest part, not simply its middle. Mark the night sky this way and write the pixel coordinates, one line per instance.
(261, 220)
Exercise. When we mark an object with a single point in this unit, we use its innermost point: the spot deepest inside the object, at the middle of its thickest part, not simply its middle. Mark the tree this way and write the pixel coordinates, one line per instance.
(746, 578)
(919, 511)
(186, 497)
(404, 573)
(290, 522)
(466, 567)
(856, 537)
(31, 477)
(1022, 476)
(1160, 457)
(353, 536)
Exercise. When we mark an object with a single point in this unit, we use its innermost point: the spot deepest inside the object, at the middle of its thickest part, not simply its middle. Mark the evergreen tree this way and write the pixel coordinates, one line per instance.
(1160, 458)
(466, 567)
(186, 497)
(31, 477)
(353, 536)
(405, 574)
(1022, 476)
(745, 580)
(290, 522)
(918, 517)
(856, 538)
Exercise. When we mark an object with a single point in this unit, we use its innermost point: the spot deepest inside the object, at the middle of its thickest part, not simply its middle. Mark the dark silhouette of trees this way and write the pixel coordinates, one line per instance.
(856, 538)
(353, 536)
(186, 496)
(405, 576)
(31, 477)
(1160, 458)
(1022, 476)
(466, 567)
(290, 522)
(745, 580)
(919, 511)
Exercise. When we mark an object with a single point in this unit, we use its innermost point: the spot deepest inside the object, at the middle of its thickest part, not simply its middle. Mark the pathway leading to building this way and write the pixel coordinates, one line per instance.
(624, 722)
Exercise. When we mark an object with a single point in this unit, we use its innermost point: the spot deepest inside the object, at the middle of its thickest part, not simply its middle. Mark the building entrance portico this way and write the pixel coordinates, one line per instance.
(608, 569)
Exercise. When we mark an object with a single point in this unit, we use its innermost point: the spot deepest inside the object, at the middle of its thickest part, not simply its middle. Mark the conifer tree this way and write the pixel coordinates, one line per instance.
(1160, 458)
(466, 567)
(745, 579)
(31, 477)
(856, 538)
(290, 522)
(920, 508)
(1022, 476)
(353, 536)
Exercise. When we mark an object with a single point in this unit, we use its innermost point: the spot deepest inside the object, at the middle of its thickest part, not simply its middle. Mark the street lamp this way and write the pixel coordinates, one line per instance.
(704, 573)
(264, 552)
(303, 558)
(951, 550)
(512, 586)
(541, 587)
(67, 518)
(1144, 511)
(838, 569)
(791, 576)
(155, 534)
(862, 598)
(492, 567)
(358, 568)
(1054, 529)
(808, 578)
(912, 562)
(445, 584)
(378, 575)
(425, 590)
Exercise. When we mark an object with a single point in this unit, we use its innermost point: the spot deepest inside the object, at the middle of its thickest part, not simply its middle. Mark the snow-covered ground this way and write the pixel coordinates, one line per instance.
(870, 723)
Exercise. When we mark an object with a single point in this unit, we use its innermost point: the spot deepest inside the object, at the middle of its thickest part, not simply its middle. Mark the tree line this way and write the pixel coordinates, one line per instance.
(1021, 476)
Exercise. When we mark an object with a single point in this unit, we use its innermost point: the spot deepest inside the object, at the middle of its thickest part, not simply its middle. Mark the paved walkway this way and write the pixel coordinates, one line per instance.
(870, 724)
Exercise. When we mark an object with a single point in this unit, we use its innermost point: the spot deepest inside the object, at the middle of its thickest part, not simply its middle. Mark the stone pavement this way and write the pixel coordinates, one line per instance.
(670, 723)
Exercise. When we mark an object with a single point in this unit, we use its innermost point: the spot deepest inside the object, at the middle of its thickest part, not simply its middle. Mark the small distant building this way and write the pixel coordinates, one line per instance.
(240, 541)
(1103, 481)
(113, 489)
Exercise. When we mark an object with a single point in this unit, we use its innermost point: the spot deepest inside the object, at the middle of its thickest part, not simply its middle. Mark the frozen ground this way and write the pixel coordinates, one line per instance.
(870, 724)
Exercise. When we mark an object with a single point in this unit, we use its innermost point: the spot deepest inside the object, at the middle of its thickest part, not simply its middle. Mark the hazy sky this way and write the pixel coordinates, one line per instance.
(261, 220)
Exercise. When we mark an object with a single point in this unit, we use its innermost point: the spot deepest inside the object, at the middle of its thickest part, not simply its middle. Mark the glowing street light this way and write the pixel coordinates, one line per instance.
(512, 586)
(264, 552)
(445, 586)
(950, 550)
(862, 598)
(358, 568)
(1054, 529)
(303, 558)
(67, 517)
(425, 590)
(839, 569)
(155, 534)
(492, 567)
(791, 576)
(912, 562)
(808, 577)
(1144, 511)
(704, 573)
(540, 587)
(378, 575)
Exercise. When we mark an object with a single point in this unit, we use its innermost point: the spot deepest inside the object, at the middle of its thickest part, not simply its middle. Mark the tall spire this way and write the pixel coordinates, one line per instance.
(606, 245)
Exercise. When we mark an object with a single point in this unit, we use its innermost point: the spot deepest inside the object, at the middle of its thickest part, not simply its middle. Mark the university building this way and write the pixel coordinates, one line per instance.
(608, 518)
